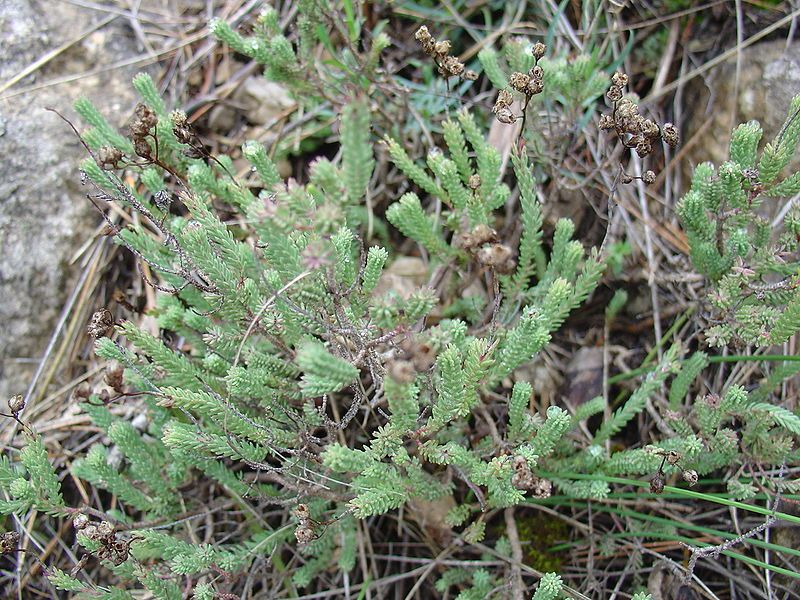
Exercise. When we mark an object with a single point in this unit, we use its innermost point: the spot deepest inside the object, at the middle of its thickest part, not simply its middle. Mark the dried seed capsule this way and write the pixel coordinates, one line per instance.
(496, 255)
(626, 178)
(16, 404)
(80, 522)
(442, 48)
(423, 35)
(619, 79)
(538, 50)
(474, 181)
(451, 66)
(536, 72)
(301, 512)
(9, 542)
(669, 133)
(644, 148)
(504, 115)
(690, 476)
(606, 122)
(105, 529)
(109, 158)
(649, 177)
(657, 483)
(101, 323)
(470, 75)
(649, 129)
(504, 100)
(304, 534)
(519, 81)
(142, 148)
(534, 87)
(146, 116)
(614, 93)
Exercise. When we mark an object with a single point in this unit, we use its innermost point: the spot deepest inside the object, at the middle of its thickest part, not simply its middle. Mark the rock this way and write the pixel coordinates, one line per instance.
(769, 78)
(404, 276)
(44, 215)
(262, 100)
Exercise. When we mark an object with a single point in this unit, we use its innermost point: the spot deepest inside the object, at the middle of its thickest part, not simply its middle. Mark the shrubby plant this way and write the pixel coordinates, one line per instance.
(297, 377)
(753, 268)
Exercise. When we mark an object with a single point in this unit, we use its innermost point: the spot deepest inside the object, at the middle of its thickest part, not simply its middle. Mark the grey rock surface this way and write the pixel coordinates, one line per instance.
(769, 77)
(44, 215)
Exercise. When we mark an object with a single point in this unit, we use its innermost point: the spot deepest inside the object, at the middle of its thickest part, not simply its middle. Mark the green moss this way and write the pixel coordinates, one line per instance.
(538, 533)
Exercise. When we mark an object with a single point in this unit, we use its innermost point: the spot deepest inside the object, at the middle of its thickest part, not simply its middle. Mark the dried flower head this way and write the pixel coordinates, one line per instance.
(144, 119)
(649, 129)
(442, 48)
(505, 115)
(16, 404)
(519, 81)
(649, 177)
(180, 127)
(9, 542)
(606, 122)
(304, 534)
(80, 522)
(451, 67)
(100, 324)
(497, 257)
(619, 79)
(114, 379)
(302, 512)
(538, 50)
(423, 35)
(109, 157)
(142, 148)
(657, 483)
(614, 93)
(643, 147)
(690, 476)
(669, 133)
(536, 86)
(504, 100)
(470, 75)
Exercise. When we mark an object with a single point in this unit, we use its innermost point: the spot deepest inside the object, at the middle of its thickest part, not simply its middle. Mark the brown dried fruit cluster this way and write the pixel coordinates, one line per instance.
(672, 457)
(502, 107)
(528, 84)
(632, 129)
(449, 66)
(483, 243)
(524, 479)
(112, 549)
(185, 134)
(144, 121)
(304, 533)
